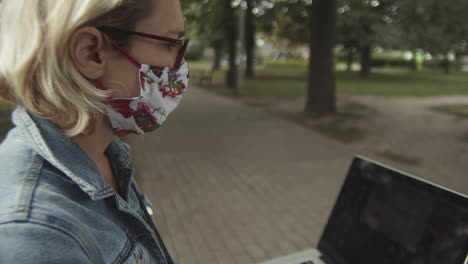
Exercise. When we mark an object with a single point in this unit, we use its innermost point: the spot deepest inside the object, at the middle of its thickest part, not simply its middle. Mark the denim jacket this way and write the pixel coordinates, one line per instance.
(55, 207)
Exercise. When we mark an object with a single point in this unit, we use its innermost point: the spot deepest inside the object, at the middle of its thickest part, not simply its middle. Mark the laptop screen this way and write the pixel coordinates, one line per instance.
(385, 216)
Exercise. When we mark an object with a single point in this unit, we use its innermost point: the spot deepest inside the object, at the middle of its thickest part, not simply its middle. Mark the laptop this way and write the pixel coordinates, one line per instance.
(385, 216)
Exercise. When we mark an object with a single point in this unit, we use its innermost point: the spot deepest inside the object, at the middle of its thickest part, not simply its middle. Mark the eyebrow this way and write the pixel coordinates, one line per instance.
(179, 33)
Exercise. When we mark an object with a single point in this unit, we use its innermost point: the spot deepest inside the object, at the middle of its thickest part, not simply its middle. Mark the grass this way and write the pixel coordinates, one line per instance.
(458, 111)
(5, 124)
(289, 80)
(417, 84)
(6, 107)
(464, 138)
(346, 126)
(341, 131)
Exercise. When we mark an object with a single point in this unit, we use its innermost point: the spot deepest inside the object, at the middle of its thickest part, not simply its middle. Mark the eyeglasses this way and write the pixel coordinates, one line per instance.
(182, 43)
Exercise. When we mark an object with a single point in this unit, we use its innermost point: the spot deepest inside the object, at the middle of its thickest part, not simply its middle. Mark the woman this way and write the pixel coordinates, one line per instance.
(81, 72)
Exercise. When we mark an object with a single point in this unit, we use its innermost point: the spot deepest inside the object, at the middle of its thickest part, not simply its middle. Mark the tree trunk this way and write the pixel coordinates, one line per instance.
(458, 63)
(414, 64)
(350, 59)
(321, 87)
(365, 61)
(250, 40)
(230, 36)
(218, 53)
(446, 64)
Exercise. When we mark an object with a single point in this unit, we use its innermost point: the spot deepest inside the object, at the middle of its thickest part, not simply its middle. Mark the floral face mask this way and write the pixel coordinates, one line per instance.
(161, 90)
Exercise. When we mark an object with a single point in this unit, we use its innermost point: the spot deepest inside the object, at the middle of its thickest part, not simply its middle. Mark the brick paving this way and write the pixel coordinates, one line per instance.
(233, 184)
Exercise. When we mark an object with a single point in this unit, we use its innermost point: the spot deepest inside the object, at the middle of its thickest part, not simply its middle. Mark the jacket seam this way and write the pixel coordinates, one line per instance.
(56, 228)
(124, 253)
(91, 190)
(28, 187)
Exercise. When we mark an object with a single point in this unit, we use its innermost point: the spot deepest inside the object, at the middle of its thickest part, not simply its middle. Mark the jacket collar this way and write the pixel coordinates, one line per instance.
(53, 145)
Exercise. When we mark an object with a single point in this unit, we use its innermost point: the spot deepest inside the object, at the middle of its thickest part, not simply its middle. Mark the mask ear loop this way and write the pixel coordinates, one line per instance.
(135, 62)
(100, 86)
(98, 83)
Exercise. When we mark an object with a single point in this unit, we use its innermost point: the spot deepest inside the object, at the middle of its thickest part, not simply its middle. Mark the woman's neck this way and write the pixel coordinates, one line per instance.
(95, 145)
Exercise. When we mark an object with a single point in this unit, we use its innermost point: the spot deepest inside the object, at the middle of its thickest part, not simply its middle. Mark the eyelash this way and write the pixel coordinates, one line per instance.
(170, 46)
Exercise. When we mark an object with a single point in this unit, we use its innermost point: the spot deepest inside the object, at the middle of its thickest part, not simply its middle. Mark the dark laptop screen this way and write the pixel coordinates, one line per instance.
(384, 216)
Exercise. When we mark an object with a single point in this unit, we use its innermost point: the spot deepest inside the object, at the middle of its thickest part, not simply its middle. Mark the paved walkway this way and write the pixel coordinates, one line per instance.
(407, 131)
(238, 185)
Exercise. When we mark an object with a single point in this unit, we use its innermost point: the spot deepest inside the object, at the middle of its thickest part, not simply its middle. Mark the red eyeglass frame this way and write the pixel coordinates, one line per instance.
(183, 43)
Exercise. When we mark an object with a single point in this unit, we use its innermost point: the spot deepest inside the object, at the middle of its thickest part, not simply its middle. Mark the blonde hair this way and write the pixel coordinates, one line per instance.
(36, 69)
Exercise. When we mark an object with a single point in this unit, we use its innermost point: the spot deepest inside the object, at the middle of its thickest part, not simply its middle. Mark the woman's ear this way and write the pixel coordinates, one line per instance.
(86, 47)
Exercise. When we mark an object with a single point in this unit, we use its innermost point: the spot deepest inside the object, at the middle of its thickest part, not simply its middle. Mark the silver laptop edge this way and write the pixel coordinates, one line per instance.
(411, 176)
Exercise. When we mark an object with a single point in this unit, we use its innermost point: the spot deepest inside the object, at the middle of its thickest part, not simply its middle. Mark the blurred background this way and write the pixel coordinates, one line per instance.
(387, 76)
(283, 94)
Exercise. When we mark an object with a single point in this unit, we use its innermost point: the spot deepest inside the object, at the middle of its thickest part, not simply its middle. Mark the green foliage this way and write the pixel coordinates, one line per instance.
(5, 124)
(205, 21)
(432, 25)
(195, 52)
(360, 22)
(5, 108)
(286, 22)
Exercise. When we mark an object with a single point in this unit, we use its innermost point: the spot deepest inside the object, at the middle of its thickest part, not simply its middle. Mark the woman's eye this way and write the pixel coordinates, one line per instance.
(170, 46)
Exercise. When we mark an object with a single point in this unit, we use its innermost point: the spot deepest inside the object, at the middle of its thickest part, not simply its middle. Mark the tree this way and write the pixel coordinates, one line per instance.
(432, 25)
(360, 24)
(321, 91)
(230, 36)
(250, 38)
(205, 21)
(286, 22)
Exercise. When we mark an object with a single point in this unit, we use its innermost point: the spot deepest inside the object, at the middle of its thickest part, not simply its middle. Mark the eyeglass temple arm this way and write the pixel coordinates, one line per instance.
(175, 41)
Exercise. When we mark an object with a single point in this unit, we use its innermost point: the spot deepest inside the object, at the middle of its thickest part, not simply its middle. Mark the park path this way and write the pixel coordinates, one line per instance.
(232, 184)
(438, 141)
(407, 133)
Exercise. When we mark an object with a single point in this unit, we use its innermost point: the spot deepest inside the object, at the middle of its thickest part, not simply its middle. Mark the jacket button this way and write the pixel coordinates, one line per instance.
(150, 210)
